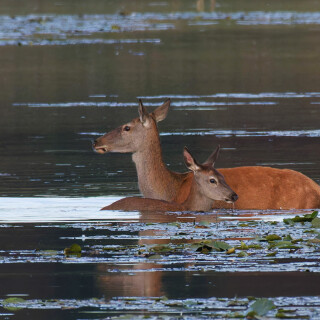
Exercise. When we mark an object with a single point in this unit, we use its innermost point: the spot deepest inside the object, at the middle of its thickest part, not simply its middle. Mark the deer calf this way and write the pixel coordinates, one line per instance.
(207, 186)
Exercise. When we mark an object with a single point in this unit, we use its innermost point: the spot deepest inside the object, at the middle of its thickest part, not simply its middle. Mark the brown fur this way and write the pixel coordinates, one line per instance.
(264, 188)
(207, 185)
(144, 204)
(257, 187)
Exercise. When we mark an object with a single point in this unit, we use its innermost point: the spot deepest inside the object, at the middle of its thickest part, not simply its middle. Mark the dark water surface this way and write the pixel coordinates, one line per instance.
(241, 74)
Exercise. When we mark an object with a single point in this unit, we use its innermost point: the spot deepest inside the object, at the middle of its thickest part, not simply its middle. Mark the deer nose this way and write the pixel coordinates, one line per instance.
(234, 197)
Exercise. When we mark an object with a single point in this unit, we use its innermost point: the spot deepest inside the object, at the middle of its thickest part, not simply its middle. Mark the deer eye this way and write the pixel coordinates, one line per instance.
(213, 181)
(126, 128)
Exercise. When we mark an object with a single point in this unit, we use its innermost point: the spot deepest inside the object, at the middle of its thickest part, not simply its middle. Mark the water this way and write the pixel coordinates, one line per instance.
(240, 74)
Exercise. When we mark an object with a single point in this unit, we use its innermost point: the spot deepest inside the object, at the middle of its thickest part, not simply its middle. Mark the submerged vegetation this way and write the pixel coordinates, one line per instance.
(203, 245)
(165, 308)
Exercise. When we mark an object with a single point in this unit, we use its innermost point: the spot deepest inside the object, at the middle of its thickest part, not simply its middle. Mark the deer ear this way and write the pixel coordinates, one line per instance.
(143, 113)
(161, 112)
(190, 161)
(213, 157)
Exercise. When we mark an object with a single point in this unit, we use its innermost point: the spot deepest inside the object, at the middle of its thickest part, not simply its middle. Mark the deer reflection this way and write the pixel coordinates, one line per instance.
(145, 279)
(200, 5)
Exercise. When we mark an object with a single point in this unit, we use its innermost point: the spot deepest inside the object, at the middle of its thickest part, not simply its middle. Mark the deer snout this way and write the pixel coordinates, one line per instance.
(96, 145)
(234, 197)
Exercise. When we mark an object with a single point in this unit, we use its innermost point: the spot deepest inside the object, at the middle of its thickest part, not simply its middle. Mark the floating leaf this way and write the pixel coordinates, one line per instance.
(221, 246)
(233, 303)
(283, 245)
(242, 254)
(255, 246)
(287, 238)
(261, 307)
(243, 225)
(242, 246)
(204, 223)
(231, 250)
(273, 237)
(115, 27)
(10, 303)
(161, 248)
(315, 223)
(74, 249)
(204, 249)
(304, 218)
(174, 224)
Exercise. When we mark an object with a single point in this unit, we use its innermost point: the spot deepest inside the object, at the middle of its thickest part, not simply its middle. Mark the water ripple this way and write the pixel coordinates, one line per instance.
(194, 105)
(194, 102)
(245, 133)
(240, 95)
(57, 29)
(230, 133)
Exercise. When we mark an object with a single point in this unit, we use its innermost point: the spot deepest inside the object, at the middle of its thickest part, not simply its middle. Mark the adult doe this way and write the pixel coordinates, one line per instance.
(257, 187)
(207, 186)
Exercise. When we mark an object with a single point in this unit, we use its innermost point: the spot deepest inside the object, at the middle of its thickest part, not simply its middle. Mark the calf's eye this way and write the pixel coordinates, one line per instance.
(127, 128)
(213, 181)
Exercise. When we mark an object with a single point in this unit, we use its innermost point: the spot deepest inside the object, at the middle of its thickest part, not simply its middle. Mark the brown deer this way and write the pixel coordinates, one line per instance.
(257, 187)
(207, 185)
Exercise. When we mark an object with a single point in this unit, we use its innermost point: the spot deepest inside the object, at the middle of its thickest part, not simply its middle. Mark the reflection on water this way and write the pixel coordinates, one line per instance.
(143, 256)
(51, 30)
(241, 74)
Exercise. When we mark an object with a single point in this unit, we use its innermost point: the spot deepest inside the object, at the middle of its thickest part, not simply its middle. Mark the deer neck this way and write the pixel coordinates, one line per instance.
(196, 201)
(154, 178)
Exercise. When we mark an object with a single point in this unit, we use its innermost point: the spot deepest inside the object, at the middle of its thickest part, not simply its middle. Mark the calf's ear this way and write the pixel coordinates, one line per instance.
(190, 161)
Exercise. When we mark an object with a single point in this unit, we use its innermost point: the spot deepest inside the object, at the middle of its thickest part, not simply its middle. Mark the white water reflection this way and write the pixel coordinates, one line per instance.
(185, 105)
(59, 209)
(229, 133)
(245, 133)
(237, 95)
(182, 102)
(49, 29)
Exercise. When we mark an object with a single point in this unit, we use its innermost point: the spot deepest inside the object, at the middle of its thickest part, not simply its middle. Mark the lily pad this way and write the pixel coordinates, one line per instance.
(261, 307)
(304, 218)
(204, 249)
(221, 246)
(74, 249)
(10, 303)
(231, 250)
(273, 237)
(315, 223)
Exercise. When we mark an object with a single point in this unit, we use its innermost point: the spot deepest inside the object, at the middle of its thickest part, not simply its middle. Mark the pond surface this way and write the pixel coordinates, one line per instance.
(241, 74)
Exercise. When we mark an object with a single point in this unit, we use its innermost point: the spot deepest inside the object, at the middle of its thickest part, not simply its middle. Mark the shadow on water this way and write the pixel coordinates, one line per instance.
(241, 74)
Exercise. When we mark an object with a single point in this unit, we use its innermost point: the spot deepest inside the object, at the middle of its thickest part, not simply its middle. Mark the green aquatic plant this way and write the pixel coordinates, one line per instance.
(13, 303)
(260, 308)
(305, 218)
(73, 250)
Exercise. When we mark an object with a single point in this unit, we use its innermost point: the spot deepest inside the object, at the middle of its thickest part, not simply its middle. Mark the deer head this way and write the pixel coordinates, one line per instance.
(210, 182)
(134, 135)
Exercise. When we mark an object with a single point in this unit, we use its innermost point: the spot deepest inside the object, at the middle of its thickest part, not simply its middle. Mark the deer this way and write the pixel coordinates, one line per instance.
(258, 187)
(207, 185)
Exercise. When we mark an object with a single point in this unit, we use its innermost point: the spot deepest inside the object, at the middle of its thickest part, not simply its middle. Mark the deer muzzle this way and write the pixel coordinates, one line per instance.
(232, 198)
(99, 149)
